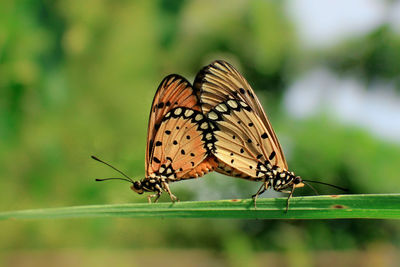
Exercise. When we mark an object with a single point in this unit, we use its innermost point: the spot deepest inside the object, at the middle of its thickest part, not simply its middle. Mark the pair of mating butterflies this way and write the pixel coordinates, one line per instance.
(218, 124)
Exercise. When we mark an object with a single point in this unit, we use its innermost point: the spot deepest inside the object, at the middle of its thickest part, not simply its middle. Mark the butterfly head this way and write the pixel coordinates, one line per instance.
(297, 182)
(137, 187)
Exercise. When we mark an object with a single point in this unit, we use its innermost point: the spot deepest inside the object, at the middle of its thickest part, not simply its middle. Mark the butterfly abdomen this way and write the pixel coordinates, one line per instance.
(203, 168)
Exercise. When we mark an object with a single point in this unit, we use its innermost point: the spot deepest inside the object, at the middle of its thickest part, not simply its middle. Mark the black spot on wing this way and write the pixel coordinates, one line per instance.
(197, 118)
(272, 155)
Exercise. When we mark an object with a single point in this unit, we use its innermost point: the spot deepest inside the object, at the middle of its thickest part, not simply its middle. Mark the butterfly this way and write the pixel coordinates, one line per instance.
(245, 144)
(179, 140)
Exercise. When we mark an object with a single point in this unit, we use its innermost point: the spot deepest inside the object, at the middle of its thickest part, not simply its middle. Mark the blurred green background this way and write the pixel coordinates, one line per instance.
(77, 78)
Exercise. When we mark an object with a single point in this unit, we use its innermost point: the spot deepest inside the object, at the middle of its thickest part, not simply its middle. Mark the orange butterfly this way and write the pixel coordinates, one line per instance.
(246, 145)
(179, 140)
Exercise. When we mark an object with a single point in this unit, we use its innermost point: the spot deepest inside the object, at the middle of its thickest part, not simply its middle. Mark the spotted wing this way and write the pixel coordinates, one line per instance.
(174, 91)
(181, 146)
(242, 143)
(219, 82)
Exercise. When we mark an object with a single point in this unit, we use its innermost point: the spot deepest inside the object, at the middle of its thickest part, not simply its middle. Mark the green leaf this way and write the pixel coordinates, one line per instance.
(383, 206)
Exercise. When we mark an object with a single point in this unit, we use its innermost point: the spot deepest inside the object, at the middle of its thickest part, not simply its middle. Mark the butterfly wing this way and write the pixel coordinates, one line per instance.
(181, 146)
(220, 81)
(174, 91)
(242, 141)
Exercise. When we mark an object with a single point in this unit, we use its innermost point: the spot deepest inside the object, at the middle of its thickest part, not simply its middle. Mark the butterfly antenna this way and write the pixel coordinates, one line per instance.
(105, 179)
(109, 165)
(335, 186)
(312, 187)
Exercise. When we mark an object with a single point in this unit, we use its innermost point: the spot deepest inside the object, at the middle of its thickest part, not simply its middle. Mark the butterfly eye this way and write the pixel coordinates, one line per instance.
(297, 180)
(137, 187)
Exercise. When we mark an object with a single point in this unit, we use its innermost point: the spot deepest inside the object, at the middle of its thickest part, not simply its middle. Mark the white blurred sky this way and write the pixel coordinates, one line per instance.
(322, 24)
(346, 99)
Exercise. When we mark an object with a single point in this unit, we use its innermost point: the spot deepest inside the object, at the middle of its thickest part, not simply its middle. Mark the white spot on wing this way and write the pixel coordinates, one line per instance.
(189, 113)
(221, 108)
(212, 115)
(232, 103)
(198, 117)
(178, 111)
(204, 126)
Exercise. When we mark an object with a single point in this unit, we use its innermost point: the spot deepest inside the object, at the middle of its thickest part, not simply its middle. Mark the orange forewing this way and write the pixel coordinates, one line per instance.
(180, 146)
(173, 91)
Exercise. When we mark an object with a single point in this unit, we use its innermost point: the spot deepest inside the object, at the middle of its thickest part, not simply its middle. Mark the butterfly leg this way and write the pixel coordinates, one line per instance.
(156, 195)
(289, 197)
(166, 189)
(261, 190)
